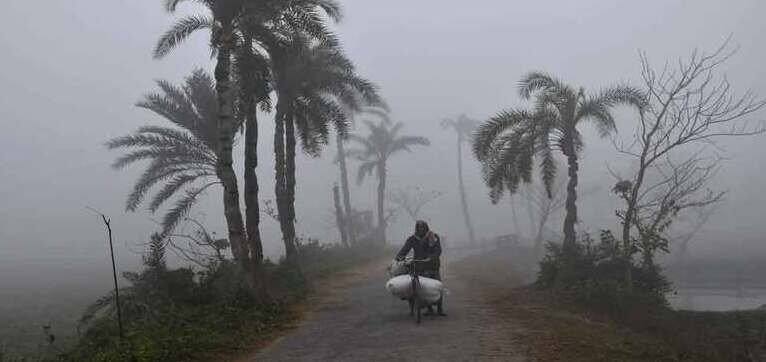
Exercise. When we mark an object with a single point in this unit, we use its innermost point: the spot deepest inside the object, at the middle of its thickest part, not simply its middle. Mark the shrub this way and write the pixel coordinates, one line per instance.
(595, 275)
(184, 315)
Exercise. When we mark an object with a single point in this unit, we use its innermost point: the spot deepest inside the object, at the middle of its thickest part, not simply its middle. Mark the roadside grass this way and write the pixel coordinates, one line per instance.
(210, 320)
(558, 327)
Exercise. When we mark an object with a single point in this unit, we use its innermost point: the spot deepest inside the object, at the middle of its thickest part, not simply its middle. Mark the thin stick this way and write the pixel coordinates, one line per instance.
(107, 222)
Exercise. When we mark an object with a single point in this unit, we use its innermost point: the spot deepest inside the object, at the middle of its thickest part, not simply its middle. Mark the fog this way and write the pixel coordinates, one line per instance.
(71, 72)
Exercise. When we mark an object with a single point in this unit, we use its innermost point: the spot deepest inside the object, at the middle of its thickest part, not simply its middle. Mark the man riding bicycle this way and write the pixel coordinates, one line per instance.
(425, 245)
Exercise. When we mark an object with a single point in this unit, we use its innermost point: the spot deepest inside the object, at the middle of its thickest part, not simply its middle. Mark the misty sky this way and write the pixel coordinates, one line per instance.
(70, 72)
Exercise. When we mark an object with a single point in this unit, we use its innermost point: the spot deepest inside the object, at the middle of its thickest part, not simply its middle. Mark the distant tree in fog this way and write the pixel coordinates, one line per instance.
(315, 84)
(463, 127)
(508, 143)
(182, 158)
(348, 211)
(377, 147)
(413, 199)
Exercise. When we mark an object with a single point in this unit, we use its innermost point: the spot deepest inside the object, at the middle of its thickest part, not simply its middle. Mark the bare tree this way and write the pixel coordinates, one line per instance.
(670, 188)
(413, 199)
(686, 106)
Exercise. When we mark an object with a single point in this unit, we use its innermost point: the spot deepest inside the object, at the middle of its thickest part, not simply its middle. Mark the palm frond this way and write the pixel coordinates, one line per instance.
(538, 81)
(598, 111)
(368, 150)
(156, 172)
(172, 186)
(171, 5)
(365, 169)
(548, 169)
(179, 32)
(380, 112)
(487, 133)
(405, 142)
(623, 95)
(181, 208)
(332, 8)
(135, 156)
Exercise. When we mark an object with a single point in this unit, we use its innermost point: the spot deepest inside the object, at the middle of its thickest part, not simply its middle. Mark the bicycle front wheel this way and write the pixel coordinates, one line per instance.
(416, 299)
(417, 312)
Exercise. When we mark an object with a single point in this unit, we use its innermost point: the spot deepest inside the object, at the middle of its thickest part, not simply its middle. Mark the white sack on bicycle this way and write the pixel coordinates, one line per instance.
(430, 289)
(397, 267)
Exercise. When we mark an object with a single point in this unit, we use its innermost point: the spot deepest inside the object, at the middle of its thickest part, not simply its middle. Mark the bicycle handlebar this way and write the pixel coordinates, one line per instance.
(413, 261)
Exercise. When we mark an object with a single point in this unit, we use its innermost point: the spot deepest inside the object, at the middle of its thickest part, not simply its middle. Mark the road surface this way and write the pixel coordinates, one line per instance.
(353, 318)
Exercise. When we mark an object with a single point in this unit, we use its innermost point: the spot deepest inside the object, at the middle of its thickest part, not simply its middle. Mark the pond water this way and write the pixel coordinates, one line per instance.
(712, 299)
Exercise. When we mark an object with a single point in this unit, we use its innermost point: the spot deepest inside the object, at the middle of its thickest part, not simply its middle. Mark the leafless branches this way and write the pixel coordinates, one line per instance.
(670, 188)
(690, 103)
(198, 247)
(413, 199)
(268, 209)
(688, 106)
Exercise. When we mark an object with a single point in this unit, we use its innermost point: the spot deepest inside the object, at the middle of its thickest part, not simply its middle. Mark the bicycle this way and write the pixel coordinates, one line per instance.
(414, 301)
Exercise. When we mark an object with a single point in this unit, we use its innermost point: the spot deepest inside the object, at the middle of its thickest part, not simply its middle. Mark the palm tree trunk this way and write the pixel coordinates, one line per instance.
(531, 212)
(539, 235)
(224, 168)
(461, 186)
(252, 207)
(381, 201)
(290, 141)
(349, 214)
(339, 218)
(279, 172)
(570, 235)
(514, 215)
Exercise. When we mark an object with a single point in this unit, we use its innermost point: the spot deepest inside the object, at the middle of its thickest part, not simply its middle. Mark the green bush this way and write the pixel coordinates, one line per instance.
(595, 275)
(185, 315)
(171, 315)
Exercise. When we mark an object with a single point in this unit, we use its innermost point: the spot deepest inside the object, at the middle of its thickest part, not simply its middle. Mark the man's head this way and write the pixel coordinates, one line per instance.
(421, 228)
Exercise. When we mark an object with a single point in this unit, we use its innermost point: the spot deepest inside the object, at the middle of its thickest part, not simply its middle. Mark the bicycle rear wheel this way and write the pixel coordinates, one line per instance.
(416, 299)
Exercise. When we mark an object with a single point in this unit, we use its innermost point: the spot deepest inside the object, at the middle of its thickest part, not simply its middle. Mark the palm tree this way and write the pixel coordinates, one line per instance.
(463, 127)
(380, 111)
(377, 147)
(238, 27)
(347, 212)
(508, 142)
(184, 157)
(265, 29)
(315, 82)
(253, 76)
(222, 25)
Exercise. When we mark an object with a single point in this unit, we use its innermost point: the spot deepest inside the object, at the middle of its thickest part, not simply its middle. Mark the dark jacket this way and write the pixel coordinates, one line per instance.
(423, 249)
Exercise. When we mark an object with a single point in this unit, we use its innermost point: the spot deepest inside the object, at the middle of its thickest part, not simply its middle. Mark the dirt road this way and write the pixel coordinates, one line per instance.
(353, 318)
